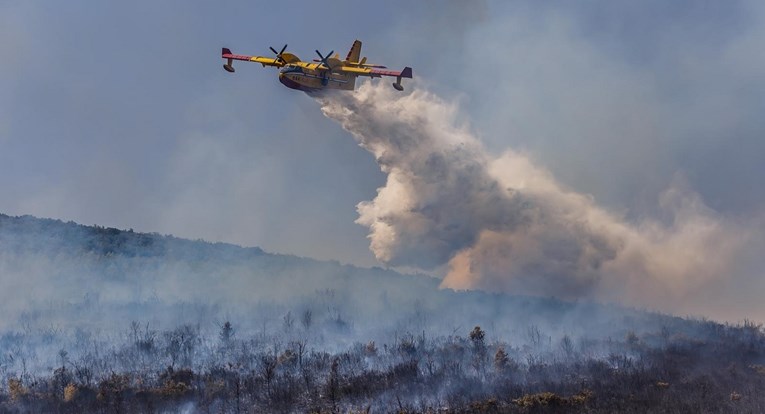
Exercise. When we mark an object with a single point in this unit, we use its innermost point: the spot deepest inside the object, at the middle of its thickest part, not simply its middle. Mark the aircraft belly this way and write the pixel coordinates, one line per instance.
(309, 83)
(294, 82)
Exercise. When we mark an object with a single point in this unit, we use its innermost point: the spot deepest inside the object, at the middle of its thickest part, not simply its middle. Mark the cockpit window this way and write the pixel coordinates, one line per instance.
(290, 69)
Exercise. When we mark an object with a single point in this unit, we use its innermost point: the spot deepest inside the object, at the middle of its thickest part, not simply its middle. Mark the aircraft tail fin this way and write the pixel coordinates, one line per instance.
(355, 53)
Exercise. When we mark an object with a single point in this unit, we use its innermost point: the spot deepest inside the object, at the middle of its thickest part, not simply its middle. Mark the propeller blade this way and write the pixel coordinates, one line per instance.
(279, 54)
(324, 59)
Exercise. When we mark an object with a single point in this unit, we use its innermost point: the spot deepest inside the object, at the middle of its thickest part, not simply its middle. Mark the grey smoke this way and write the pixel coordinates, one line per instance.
(505, 224)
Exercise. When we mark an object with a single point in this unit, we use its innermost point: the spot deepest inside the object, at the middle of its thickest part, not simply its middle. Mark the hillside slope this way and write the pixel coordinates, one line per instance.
(82, 304)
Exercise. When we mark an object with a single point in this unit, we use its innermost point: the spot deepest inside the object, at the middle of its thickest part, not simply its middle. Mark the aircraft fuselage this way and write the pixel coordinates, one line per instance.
(312, 80)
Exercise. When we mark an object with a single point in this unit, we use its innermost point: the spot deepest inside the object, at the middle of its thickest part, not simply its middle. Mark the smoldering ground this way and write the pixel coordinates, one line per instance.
(97, 319)
(503, 223)
(71, 287)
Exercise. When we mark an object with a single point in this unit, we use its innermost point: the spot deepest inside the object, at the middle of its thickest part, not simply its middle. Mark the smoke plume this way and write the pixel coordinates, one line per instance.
(505, 224)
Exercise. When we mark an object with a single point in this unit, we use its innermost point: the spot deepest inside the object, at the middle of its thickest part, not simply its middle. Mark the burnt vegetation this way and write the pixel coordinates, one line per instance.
(330, 350)
(150, 371)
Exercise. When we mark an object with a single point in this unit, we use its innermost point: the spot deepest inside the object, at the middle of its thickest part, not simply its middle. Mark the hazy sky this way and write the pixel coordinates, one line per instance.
(120, 114)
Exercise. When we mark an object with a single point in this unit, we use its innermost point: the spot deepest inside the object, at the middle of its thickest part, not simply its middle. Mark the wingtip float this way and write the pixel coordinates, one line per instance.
(327, 72)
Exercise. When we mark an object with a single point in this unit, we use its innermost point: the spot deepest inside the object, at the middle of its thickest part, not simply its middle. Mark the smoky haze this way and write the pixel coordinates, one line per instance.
(503, 223)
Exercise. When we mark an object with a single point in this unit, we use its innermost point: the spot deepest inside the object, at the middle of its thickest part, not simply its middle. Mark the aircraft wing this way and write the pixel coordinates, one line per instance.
(377, 73)
(265, 61)
(309, 65)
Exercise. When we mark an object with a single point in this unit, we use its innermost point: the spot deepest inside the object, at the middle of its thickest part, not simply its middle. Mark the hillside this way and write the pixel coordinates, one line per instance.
(99, 319)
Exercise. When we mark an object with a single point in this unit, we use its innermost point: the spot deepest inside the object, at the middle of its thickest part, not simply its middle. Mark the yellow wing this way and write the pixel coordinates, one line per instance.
(286, 58)
(265, 61)
(376, 73)
(356, 70)
(309, 65)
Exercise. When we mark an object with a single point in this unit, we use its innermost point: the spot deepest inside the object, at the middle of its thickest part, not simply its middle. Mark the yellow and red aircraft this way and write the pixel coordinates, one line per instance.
(328, 72)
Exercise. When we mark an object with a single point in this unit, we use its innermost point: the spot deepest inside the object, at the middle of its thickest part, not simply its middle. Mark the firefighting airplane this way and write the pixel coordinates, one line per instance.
(328, 72)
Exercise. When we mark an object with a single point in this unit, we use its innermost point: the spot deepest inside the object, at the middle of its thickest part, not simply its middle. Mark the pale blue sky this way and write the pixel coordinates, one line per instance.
(120, 114)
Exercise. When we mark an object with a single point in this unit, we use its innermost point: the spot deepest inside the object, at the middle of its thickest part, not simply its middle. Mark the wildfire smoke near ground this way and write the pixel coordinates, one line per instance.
(137, 322)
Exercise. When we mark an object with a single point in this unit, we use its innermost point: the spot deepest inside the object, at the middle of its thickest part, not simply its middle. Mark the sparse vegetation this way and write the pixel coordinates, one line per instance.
(263, 375)
(399, 346)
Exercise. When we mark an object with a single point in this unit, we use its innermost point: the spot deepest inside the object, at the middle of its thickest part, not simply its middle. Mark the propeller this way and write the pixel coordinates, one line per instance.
(279, 54)
(324, 59)
(325, 78)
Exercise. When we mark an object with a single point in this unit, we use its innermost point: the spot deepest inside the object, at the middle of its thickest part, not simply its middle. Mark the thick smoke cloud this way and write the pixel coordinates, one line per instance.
(505, 224)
